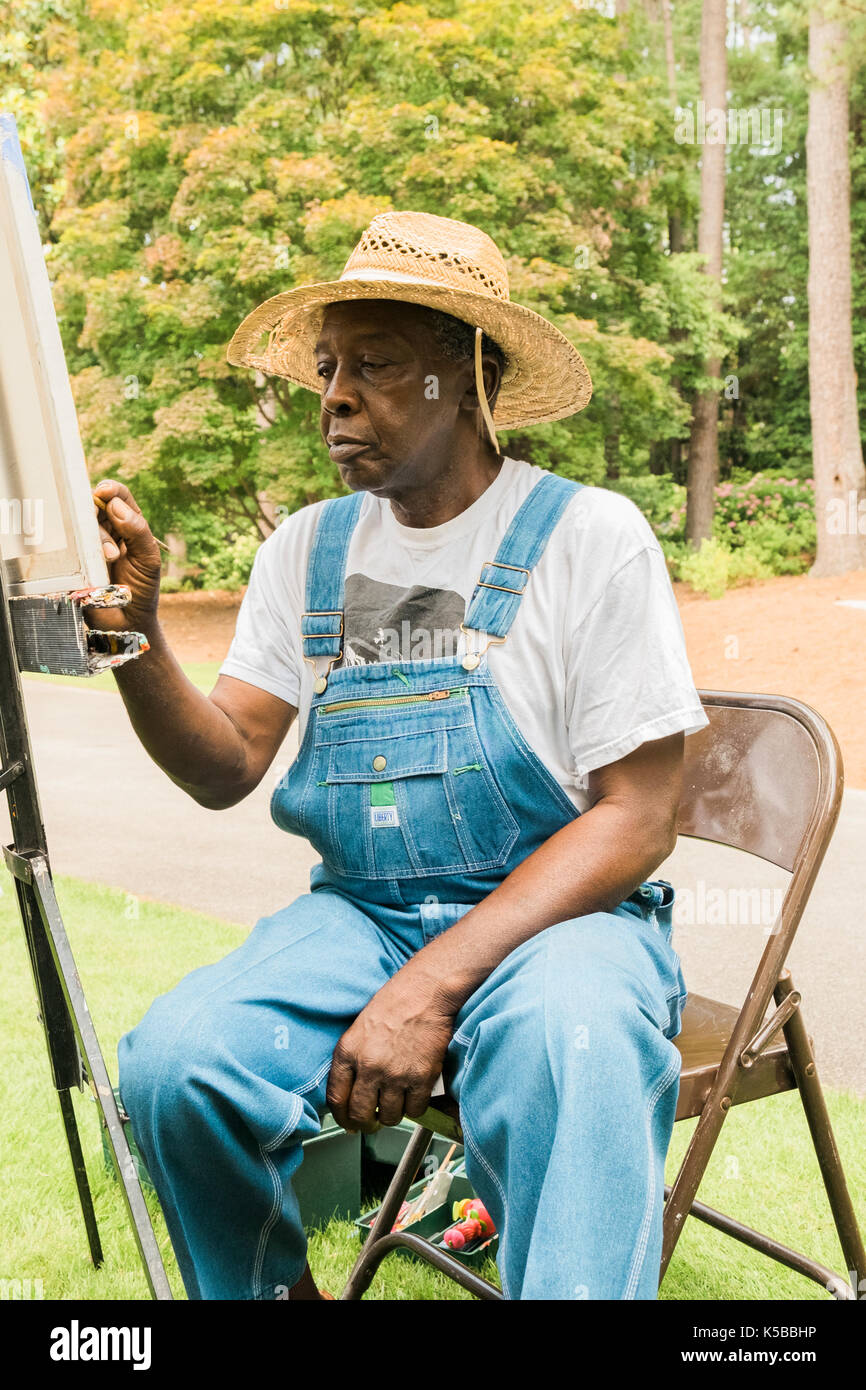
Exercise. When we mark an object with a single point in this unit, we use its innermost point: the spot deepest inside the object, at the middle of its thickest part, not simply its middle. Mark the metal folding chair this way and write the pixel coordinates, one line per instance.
(765, 777)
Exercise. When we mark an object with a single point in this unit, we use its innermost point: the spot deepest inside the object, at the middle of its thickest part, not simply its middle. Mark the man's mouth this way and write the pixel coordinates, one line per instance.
(343, 450)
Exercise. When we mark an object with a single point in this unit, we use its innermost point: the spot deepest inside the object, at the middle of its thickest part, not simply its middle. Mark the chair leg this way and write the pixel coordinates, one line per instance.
(818, 1119)
(828, 1279)
(446, 1264)
(692, 1169)
(682, 1194)
(366, 1264)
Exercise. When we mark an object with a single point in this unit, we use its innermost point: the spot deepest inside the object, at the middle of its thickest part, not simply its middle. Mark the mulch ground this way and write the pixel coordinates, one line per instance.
(788, 636)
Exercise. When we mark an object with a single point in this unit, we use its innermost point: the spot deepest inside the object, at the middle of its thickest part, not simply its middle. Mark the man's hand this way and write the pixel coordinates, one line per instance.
(390, 1058)
(133, 559)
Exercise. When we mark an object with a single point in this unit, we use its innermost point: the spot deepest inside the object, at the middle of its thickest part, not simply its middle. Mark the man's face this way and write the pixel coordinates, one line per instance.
(390, 401)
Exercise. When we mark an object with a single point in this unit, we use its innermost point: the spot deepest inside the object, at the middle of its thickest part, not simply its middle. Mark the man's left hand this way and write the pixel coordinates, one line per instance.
(386, 1065)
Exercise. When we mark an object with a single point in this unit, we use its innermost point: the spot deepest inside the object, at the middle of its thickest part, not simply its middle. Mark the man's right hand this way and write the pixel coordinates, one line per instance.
(133, 559)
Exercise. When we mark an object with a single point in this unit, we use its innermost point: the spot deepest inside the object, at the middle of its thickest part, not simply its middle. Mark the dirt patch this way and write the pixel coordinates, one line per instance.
(788, 636)
(200, 626)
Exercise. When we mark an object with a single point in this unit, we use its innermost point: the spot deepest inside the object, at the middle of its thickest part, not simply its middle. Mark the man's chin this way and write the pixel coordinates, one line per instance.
(362, 475)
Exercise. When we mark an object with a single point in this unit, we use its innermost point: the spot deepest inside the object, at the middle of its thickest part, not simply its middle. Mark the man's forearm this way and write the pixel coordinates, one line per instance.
(187, 735)
(589, 866)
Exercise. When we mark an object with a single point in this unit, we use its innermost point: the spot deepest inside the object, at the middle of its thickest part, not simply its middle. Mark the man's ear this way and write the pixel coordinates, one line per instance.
(492, 374)
(492, 381)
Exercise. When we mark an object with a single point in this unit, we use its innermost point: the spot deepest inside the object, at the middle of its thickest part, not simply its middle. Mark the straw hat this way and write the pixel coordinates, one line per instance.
(447, 265)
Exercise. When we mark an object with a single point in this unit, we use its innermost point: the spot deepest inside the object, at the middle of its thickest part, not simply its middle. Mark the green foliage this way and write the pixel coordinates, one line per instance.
(215, 155)
(229, 567)
(715, 566)
(661, 500)
(763, 525)
(189, 160)
(770, 518)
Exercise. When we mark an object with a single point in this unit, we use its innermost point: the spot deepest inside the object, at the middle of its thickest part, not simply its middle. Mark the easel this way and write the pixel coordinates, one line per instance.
(73, 1047)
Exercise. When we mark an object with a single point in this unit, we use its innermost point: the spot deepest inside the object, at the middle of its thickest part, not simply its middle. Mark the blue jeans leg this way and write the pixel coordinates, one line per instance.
(225, 1076)
(567, 1078)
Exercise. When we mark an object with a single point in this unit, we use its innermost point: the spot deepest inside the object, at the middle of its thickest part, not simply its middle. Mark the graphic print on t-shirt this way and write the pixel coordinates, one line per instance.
(384, 622)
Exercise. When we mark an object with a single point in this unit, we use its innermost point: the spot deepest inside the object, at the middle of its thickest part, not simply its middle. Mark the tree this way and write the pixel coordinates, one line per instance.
(840, 480)
(213, 155)
(703, 470)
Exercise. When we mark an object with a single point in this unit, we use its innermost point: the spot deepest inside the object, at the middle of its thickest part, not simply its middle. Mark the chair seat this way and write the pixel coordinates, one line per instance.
(707, 1027)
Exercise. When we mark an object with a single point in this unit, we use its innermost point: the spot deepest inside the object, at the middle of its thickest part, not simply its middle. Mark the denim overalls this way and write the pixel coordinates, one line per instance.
(420, 793)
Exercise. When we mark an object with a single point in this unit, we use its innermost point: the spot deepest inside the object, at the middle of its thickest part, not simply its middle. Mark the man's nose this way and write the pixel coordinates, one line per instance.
(339, 396)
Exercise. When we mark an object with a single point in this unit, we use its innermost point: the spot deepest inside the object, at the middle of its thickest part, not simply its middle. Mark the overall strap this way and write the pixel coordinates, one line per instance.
(322, 624)
(497, 594)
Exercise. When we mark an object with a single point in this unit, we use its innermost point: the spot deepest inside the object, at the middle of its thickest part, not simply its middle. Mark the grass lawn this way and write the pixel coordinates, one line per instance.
(203, 674)
(128, 951)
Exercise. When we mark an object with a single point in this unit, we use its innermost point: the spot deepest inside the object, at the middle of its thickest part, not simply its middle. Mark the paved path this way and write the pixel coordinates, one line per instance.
(112, 816)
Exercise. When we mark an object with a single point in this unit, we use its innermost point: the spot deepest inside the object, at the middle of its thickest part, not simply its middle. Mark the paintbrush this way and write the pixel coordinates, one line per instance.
(99, 502)
(433, 1195)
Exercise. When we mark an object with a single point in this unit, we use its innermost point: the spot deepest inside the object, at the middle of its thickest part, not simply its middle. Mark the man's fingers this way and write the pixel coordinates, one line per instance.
(361, 1107)
(418, 1099)
(131, 531)
(122, 526)
(109, 488)
(340, 1080)
(109, 545)
(392, 1100)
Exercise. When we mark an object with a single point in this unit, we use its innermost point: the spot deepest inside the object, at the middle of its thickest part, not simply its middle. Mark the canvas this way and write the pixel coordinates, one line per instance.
(49, 537)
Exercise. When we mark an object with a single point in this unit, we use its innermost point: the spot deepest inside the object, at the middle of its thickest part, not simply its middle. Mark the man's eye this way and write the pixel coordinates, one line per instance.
(322, 369)
(374, 365)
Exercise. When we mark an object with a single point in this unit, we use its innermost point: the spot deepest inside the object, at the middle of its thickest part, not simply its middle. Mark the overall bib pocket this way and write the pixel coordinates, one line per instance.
(386, 803)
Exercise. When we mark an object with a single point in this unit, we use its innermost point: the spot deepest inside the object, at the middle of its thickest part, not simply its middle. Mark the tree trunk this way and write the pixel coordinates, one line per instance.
(704, 440)
(611, 439)
(268, 405)
(670, 61)
(270, 518)
(837, 454)
(676, 240)
(176, 566)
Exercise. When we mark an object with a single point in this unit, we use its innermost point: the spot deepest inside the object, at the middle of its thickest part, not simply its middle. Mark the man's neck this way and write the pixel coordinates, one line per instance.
(449, 494)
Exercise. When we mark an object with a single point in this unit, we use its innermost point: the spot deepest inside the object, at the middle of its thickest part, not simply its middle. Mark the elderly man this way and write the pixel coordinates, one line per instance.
(493, 692)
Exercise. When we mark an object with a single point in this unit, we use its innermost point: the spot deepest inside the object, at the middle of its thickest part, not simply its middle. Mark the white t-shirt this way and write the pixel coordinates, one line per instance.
(594, 663)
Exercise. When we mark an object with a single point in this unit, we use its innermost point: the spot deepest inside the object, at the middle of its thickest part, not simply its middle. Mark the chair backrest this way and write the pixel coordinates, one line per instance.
(765, 776)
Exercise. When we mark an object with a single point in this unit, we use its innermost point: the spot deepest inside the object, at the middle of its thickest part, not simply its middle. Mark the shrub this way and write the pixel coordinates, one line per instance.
(715, 566)
(763, 525)
(707, 569)
(662, 501)
(229, 567)
(773, 517)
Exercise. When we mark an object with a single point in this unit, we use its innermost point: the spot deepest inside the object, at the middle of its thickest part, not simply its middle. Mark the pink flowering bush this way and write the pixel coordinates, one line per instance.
(763, 525)
(771, 517)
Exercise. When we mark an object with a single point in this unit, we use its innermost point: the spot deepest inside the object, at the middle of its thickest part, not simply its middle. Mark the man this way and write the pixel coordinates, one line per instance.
(493, 692)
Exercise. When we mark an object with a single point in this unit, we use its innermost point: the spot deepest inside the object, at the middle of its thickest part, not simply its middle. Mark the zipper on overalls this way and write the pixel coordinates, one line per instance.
(392, 700)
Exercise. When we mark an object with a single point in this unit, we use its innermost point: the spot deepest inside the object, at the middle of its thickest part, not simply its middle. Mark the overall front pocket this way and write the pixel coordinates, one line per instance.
(408, 804)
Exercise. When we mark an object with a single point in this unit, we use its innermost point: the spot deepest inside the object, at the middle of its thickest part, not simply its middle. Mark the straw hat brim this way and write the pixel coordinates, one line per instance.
(545, 377)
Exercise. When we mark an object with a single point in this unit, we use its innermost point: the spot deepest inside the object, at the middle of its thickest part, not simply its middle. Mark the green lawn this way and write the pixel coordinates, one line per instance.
(128, 950)
(202, 674)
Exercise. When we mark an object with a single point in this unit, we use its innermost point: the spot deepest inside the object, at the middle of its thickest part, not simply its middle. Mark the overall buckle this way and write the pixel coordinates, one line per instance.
(504, 588)
(322, 613)
(321, 681)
